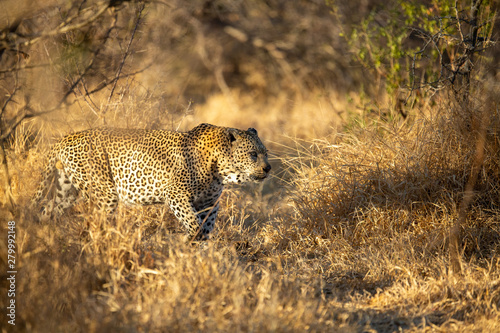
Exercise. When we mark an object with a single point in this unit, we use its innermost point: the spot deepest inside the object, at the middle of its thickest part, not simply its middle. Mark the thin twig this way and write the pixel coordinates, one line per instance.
(91, 63)
(458, 21)
(125, 55)
(7, 101)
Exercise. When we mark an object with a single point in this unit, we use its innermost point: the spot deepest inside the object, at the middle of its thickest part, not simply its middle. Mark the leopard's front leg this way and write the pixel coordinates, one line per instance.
(185, 212)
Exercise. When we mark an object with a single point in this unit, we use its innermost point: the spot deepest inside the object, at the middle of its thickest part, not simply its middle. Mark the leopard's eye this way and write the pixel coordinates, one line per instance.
(253, 155)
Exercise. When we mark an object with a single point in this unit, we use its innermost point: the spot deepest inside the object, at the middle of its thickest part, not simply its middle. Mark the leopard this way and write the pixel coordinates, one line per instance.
(186, 171)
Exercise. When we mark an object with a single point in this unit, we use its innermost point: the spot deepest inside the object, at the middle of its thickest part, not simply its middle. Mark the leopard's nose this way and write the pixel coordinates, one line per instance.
(267, 168)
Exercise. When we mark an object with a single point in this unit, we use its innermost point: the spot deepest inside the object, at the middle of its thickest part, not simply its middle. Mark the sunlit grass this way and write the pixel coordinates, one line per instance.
(349, 234)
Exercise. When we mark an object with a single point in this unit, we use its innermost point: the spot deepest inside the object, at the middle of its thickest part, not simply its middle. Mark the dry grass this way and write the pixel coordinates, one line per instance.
(350, 235)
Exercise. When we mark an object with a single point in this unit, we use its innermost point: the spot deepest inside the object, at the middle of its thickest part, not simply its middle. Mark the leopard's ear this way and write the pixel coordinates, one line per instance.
(234, 134)
(252, 131)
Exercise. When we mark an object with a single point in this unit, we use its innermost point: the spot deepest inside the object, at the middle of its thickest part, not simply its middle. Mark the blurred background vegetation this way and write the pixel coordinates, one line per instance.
(60, 56)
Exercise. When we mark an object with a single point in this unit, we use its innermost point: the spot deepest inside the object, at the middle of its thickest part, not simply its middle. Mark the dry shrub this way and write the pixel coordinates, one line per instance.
(371, 216)
(386, 179)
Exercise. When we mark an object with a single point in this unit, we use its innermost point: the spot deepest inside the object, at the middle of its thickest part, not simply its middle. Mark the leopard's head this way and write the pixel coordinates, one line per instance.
(248, 159)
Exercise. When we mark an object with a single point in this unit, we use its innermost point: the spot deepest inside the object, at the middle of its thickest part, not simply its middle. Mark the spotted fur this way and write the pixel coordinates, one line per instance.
(187, 171)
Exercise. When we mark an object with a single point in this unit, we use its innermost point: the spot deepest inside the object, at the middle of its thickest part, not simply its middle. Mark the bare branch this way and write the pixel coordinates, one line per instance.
(113, 80)
(127, 52)
(463, 48)
(9, 128)
(458, 20)
(8, 100)
(91, 63)
(32, 39)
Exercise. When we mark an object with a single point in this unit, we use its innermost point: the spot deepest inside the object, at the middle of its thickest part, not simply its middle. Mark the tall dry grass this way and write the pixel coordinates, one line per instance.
(349, 235)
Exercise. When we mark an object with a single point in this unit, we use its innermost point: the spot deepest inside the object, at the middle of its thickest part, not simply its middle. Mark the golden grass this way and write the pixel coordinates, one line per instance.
(349, 235)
